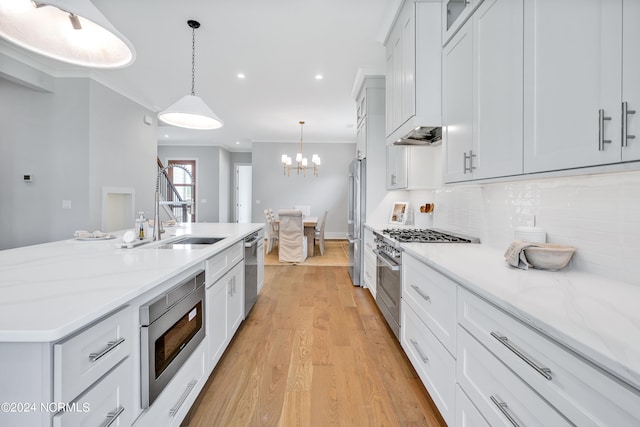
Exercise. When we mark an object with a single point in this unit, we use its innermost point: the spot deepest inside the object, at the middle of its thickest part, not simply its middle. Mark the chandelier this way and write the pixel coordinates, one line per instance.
(301, 161)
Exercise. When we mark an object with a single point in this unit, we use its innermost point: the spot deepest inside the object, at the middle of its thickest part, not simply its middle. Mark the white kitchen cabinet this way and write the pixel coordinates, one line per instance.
(457, 104)
(583, 394)
(172, 405)
(454, 15)
(217, 318)
(572, 101)
(81, 360)
(483, 80)
(370, 112)
(397, 167)
(630, 80)
(369, 275)
(413, 69)
(433, 363)
(234, 280)
(107, 403)
(414, 167)
(433, 297)
(500, 395)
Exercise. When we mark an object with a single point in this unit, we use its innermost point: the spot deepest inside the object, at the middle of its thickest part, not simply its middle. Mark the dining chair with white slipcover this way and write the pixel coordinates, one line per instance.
(319, 233)
(292, 243)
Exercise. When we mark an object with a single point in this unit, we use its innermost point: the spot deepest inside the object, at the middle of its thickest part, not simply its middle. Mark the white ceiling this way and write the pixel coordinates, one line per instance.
(280, 45)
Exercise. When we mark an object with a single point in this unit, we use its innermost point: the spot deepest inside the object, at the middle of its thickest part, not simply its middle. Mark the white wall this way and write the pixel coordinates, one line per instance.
(122, 151)
(599, 214)
(328, 191)
(74, 139)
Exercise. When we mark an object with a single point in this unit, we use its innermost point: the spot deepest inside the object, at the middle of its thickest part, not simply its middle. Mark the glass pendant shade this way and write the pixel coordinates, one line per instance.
(72, 31)
(191, 112)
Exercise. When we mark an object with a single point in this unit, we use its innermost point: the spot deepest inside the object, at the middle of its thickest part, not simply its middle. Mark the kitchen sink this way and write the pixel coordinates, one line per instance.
(190, 242)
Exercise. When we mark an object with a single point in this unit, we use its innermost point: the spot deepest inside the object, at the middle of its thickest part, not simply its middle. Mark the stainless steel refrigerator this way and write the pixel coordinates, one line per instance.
(356, 216)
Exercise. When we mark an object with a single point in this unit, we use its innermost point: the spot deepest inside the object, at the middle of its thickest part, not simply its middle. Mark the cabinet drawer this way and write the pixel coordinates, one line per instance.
(433, 297)
(501, 396)
(219, 264)
(466, 414)
(370, 265)
(435, 366)
(109, 401)
(172, 405)
(81, 360)
(581, 392)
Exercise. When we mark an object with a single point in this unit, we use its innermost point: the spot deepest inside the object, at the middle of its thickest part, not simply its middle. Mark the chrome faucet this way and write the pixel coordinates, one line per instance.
(157, 226)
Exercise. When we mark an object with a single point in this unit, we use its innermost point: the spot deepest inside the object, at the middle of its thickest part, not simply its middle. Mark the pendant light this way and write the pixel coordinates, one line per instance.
(302, 162)
(190, 111)
(72, 31)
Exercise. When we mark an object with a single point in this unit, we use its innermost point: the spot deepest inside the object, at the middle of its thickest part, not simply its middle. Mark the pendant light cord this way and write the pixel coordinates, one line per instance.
(193, 60)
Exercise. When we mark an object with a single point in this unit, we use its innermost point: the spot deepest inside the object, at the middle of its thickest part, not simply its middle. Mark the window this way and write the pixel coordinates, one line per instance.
(185, 187)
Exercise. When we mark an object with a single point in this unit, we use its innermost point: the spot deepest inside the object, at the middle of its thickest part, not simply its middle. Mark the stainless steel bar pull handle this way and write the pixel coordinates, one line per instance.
(112, 417)
(601, 140)
(469, 157)
(173, 411)
(625, 124)
(110, 346)
(415, 344)
(504, 408)
(545, 372)
(422, 294)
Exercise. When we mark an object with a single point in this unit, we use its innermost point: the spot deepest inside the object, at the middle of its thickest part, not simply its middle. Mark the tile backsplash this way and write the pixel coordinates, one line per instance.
(599, 214)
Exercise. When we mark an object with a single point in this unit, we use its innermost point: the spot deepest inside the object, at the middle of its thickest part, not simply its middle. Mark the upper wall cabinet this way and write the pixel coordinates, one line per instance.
(370, 114)
(581, 86)
(413, 69)
(454, 14)
(482, 94)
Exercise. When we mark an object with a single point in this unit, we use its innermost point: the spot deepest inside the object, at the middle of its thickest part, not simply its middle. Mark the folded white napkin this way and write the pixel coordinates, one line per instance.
(515, 255)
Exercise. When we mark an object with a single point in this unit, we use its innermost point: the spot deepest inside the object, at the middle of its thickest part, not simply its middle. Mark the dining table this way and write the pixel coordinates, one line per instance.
(310, 223)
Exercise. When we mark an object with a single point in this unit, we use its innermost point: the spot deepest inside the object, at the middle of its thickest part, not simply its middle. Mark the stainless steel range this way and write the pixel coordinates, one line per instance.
(389, 268)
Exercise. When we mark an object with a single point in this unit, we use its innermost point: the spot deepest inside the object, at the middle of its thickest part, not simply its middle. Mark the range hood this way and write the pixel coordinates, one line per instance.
(422, 135)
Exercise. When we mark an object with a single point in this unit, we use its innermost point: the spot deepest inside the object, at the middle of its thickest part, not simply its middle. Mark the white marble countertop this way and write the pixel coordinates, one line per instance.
(596, 317)
(48, 291)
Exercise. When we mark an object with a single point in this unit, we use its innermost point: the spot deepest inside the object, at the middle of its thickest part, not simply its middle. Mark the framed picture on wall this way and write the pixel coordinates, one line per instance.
(398, 213)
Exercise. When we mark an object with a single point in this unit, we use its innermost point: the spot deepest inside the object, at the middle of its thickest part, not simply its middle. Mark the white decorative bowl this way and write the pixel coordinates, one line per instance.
(549, 257)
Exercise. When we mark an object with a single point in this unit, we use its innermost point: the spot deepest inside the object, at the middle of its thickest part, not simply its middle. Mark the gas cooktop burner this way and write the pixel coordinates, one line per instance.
(405, 235)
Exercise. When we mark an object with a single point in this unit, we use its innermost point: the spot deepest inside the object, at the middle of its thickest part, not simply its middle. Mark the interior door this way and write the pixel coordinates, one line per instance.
(243, 193)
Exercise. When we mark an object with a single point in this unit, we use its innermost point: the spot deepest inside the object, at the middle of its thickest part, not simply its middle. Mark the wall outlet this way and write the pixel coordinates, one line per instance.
(66, 204)
(27, 178)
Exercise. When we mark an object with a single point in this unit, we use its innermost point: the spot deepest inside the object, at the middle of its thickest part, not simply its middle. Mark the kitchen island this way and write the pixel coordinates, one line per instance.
(56, 292)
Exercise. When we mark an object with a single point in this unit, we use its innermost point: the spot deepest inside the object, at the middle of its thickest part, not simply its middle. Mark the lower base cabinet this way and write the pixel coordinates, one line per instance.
(108, 402)
(501, 396)
(500, 371)
(433, 363)
(172, 405)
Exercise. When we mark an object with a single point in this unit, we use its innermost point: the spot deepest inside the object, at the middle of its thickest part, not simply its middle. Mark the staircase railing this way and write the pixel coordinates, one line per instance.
(170, 198)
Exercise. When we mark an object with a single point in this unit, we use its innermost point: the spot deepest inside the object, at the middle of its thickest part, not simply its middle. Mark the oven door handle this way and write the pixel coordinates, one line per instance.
(385, 261)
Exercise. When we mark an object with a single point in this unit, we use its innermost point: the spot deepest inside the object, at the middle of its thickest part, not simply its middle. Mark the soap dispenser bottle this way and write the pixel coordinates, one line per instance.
(141, 223)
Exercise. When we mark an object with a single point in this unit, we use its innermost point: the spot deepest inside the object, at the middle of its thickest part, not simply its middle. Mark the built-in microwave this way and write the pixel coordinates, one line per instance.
(171, 327)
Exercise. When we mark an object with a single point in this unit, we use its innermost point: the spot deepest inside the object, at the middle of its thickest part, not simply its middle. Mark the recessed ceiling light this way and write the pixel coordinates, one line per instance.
(318, 76)
(237, 142)
(241, 76)
(166, 136)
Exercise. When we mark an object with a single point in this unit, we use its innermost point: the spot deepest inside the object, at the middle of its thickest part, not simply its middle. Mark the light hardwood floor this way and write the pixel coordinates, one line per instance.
(314, 351)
